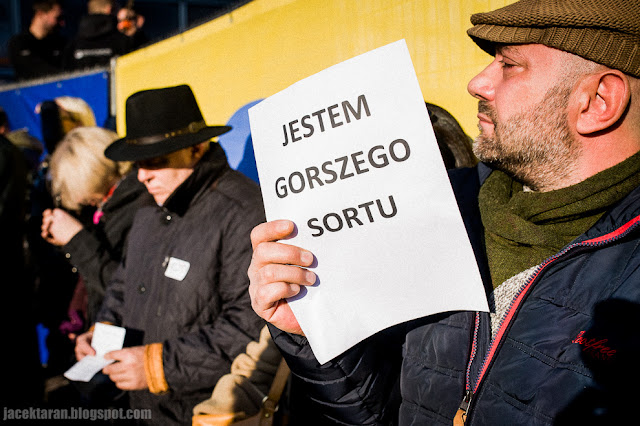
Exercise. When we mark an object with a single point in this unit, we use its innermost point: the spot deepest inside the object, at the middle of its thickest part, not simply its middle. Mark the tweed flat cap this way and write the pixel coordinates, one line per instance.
(603, 31)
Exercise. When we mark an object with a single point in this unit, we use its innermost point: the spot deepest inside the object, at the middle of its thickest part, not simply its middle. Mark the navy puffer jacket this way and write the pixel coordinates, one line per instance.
(564, 354)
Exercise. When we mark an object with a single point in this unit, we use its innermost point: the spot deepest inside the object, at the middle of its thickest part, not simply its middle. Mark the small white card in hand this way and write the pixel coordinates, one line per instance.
(106, 338)
(86, 368)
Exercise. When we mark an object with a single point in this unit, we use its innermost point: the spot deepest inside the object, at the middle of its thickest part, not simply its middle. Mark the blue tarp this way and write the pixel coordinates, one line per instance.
(20, 102)
(238, 144)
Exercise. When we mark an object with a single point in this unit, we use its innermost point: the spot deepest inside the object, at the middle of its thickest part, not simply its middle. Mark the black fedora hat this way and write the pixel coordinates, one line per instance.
(159, 122)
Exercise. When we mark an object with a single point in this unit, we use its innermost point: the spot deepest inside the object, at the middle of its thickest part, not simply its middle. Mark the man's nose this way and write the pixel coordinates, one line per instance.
(144, 175)
(482, 86)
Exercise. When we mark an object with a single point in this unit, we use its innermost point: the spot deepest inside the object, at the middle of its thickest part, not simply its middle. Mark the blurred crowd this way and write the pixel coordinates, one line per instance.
(107, 30)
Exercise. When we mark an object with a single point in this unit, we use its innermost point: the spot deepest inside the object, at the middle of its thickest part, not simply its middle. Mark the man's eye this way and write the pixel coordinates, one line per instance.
(155, 163)
(507, 64)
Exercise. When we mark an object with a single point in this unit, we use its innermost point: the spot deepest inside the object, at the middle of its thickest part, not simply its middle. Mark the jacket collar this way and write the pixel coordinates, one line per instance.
(483, 172)
(623, 212)
(128, 189)
(210, 168)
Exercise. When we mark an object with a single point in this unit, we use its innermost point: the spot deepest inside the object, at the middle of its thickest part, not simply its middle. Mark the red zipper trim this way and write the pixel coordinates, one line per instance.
(507, 319)
(615, 233)
(618, 233)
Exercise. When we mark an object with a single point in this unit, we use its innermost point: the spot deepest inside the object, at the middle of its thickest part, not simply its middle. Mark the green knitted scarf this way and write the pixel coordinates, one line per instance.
(522, 228)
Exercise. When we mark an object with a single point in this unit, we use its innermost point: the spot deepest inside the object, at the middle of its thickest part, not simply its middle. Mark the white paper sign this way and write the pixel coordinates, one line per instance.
(106, 338)
(349, 155)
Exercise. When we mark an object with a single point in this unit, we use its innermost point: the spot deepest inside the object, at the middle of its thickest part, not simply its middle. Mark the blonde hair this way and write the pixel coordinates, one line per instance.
(79, 168)
(79, 110)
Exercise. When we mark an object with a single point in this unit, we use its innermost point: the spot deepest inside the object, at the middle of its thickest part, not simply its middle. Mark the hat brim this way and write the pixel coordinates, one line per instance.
(121, 150)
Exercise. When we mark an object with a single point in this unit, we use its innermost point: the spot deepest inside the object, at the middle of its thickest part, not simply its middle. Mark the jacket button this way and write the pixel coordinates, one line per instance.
(168, 218)
(74, 269)
(142, 288)
(67, 255)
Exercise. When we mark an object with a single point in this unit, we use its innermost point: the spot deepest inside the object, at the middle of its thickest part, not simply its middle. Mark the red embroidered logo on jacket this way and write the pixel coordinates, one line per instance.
(594, 347)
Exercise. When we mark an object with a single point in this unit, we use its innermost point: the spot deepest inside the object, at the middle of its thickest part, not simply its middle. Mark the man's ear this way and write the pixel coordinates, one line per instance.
(197, 151)
(602, 100)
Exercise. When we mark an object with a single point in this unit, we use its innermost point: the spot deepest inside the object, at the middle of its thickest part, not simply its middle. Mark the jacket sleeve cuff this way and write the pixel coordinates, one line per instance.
(154, 370)
(82, 247)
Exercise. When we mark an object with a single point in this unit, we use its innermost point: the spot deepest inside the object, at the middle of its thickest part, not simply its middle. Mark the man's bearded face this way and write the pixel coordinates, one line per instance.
(533, 146)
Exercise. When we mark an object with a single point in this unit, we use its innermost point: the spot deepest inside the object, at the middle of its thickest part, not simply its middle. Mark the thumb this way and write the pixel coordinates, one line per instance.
(115, 355)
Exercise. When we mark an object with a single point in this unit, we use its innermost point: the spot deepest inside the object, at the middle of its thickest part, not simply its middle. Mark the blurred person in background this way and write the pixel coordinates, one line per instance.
(456, 147)
(74, 112)
(37, 51)
(130, 23)
(82, 176)
(21, 373)
(60, 115)
(55, 280)
(98, 38)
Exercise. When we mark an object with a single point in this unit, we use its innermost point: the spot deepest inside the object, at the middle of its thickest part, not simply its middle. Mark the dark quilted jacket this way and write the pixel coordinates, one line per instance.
(564, 354)
(96, 252)
(204, 320)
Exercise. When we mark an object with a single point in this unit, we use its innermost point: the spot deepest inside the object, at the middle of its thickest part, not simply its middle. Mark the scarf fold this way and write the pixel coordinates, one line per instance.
(523, 228)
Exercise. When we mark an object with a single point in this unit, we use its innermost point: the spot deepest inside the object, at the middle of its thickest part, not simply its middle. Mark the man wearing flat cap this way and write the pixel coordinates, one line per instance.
(183, 284)
(553, 214)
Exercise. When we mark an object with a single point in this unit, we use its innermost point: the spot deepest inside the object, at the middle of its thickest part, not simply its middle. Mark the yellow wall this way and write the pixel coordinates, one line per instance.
(266, 45)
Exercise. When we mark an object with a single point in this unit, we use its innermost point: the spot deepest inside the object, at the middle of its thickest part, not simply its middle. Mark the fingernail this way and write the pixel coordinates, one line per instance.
(283, 226)
(306, 257)
(311, 277)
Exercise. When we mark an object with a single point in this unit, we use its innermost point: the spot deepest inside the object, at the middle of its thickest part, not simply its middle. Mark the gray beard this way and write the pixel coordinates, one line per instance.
(535, 147)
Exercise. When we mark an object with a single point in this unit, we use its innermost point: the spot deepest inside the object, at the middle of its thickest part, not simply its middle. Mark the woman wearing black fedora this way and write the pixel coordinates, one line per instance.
(183, 284)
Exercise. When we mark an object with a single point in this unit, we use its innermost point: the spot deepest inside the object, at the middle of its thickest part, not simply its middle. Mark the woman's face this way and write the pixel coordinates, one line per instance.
(99, 194)
(92, 199)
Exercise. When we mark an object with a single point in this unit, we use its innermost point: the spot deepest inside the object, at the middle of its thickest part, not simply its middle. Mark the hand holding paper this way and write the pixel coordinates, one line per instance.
(128, 373)
(83, 345)
(275, 275)
(104, 338)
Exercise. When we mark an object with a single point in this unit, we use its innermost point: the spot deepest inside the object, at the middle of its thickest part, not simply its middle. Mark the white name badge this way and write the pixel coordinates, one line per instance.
(177, 269)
